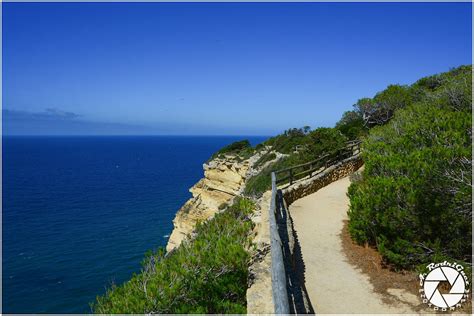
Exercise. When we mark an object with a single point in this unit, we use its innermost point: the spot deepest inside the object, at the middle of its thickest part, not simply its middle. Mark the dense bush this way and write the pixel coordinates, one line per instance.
(434, 83)
(240, 148)
(205, 275)
(414, 198)
(321, 141)
(351, 125)
(287, 141)
(380, 109)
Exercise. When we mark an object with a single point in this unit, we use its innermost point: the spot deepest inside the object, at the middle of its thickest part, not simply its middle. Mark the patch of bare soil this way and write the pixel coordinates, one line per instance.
(391, 284)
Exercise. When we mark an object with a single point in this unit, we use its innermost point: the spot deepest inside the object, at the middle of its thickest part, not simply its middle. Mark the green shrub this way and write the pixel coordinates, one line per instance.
(322, 141)
(452, 86)
(380, 109)
(207, 274)
(351, 125)
(260, 146)
(286, 143)
(259, 183)
(414, 199)
(242, 148)
(434, 82)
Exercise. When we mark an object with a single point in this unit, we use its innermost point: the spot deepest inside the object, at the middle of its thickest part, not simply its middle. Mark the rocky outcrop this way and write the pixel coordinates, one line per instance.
(224, 178)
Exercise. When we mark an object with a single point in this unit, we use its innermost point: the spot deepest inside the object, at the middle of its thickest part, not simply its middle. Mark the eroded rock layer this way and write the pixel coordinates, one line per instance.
(224, 178)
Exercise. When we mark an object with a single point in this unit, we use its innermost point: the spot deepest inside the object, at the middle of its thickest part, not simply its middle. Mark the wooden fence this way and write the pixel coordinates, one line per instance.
(318, 165)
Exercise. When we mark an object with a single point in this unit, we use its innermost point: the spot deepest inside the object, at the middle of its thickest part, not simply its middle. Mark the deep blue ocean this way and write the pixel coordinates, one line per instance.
(80, 212)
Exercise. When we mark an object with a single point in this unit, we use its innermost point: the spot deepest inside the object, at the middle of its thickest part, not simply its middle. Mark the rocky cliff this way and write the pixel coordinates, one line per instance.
(224, 178)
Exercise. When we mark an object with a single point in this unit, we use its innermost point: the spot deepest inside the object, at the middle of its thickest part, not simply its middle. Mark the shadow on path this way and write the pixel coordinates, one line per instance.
(295, 269)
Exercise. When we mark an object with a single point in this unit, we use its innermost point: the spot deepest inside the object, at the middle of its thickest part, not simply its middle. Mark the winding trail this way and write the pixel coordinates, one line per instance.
(333, 285)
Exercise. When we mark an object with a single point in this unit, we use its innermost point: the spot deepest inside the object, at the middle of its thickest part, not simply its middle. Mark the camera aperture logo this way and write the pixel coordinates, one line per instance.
(445, 286)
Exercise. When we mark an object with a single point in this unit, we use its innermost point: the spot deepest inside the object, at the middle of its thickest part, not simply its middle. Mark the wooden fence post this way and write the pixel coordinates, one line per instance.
(279, 289)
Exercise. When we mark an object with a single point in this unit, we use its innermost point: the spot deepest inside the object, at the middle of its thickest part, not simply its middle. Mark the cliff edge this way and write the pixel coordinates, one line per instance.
(224, 179)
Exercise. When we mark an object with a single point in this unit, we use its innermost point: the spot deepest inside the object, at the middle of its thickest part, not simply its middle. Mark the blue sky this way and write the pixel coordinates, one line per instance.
(229, 68)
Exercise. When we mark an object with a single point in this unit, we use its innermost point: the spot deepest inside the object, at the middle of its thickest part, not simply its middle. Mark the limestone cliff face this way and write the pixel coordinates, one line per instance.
(224, 178)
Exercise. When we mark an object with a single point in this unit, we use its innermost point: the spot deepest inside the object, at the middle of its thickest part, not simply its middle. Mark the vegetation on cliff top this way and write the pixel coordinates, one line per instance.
(300, 145)
(265, 158)
(242, 149)
(207, 274)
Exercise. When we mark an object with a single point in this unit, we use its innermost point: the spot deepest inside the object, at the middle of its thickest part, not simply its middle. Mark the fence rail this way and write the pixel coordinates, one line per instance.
(279, 283)
(318, 165)
(280, 293)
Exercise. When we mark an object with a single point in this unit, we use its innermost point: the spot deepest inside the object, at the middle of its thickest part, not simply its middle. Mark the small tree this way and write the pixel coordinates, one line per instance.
(351, 125)
(324, 140)
(380, 109)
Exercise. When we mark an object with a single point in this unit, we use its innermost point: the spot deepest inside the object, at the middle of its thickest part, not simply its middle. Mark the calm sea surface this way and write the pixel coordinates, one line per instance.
(80, 212)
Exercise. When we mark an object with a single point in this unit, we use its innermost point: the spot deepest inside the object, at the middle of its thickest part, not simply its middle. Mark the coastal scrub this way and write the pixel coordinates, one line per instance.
(206, 274)
(414, 199)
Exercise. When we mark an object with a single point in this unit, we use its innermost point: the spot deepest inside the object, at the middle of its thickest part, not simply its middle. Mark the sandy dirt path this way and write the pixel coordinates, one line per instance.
(333, 285)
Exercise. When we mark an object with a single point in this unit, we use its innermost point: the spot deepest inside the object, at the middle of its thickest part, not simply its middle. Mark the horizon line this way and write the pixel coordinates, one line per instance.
(132, 135)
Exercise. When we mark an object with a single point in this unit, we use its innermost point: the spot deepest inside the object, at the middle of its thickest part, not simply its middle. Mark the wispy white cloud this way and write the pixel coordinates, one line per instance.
(47, 114)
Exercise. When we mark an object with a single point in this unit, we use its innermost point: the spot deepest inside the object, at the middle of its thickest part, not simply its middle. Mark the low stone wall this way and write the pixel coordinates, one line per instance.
(308, 186)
